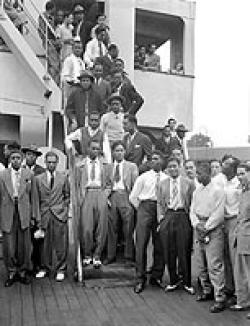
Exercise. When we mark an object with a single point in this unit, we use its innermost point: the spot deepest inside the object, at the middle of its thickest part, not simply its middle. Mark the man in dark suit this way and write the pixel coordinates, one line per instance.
(175, 231)
(54, 196)
(138, 145)
(133, 100)
(31, 153)
(18, 207)
(82, 26)
(102, 86)
(123, 179)
(108, 60)
(82, 101)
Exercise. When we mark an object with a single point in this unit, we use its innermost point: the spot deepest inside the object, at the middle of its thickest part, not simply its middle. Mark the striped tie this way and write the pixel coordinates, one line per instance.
(174, 195)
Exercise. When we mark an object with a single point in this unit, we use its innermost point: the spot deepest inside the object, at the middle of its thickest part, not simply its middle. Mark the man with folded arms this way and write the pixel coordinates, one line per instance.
(207, 217)
(123, 179)
(175, 231)
(54, 196)
(143, 198)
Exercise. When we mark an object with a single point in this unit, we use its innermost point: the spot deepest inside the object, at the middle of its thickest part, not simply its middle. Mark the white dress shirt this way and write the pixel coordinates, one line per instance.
(77, 135)
(175, 204)
(97, 181)
(112, 124)
(208, 202)
(93, 51)
(15, 178)
(233, 193)
(145, 187)
(220, 180)
(72, 67)
(120, 184)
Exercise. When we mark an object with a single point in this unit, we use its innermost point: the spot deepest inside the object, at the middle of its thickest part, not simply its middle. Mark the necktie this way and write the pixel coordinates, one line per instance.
(174, 195)
(100, 49)
(158, 176)
(117, 176)
(17, 182)
(92, 171)
(87, 109)
(52, 180)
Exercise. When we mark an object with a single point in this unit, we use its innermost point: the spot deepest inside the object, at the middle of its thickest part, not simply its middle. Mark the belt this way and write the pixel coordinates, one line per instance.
(178, 210)
(94, 189)
(120, 191)
(148, 201)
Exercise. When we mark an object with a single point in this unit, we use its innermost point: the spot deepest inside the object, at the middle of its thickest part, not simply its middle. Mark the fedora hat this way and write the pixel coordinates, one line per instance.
(116, 97)
(181, 127)
(86, 74)
(32, 148)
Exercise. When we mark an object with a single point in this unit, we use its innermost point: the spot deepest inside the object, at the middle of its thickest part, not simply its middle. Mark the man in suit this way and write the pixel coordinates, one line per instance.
(86, 134)
(82, 26)
(54, 196)
(18, 209)
(242, 242)
(207, 218)
(31, 153)
(83, 101)
(108, 60)
(123, 179)
(101, 85)
(167, 142)
(144, 199)
(133, 100)
(175, 231)
(93, 188)
(138, 145)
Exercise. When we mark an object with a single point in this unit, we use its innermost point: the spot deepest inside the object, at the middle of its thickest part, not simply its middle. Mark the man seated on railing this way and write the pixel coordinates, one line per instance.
(71, 70)
(152, 60)
(50, 43)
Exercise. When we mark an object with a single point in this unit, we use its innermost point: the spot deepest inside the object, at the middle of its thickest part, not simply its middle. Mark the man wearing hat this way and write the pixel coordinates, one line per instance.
(31, 154)
(83, 101)
(181, 131)
(18, 208)
(112, 121)
(82, 27)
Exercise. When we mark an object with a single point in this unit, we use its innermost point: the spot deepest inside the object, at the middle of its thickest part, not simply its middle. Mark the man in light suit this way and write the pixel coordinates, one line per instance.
(102, 86)
(175, 231)
(54, 196)
(123, 179)
(138, 145)
(93, 188)
(242, 243)
(18, 209)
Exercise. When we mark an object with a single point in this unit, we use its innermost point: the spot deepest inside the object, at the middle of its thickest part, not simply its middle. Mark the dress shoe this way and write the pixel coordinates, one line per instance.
(204, 297)
(41, 274)
(217, 307)
(60, 276)
(231, 301)
(171, 287)
(237, 307)
(189, 289)
(155, 282)
(87, 261)
(139, 287)
(97, 262)
(10, 281)
(25, 279)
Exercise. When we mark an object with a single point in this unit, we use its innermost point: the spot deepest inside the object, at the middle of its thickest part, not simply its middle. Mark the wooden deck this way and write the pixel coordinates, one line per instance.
(104, 302)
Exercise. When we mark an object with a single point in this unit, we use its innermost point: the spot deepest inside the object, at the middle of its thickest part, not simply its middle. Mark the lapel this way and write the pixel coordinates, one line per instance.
(8, 182)
(84, 172)
(183, 190)
(56, 179)
(102, 167)
(44, 180)
(24, 177)
(125, 174)
(133, 142)
(167, 194)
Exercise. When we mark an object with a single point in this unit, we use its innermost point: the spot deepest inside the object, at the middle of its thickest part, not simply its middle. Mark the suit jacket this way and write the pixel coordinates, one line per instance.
(187, 188)
(133, 100)
(27, 200)
(75, 107)
(139, 147)
(107, 63)
(166, 148)
(104, 90)
(55, 200)
(130, 174)
(37, 169)
(82, 179)
(243, 226)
